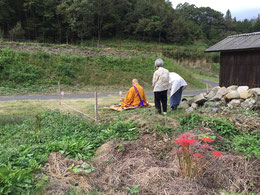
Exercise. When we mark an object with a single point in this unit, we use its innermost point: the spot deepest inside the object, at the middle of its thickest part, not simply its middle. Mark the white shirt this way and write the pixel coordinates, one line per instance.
(161, 79)
(176, 82)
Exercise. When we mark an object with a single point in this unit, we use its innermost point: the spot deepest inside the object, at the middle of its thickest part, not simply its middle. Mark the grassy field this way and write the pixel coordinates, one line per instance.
(31, 131)
(36, 67)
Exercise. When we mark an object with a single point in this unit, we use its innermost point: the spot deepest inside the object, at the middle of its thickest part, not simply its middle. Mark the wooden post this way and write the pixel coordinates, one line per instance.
(96, 107)
(207, 87)
(59, 92)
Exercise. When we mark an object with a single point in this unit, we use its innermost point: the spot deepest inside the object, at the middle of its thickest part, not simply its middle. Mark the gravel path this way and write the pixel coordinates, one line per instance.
(91, 95)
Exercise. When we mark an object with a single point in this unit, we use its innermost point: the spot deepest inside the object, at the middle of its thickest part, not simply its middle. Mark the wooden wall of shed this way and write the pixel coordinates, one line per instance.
(240, 68)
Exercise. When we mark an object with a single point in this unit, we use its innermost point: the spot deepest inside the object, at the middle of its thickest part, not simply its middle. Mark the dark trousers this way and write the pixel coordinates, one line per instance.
(160, 97)
(175, 99)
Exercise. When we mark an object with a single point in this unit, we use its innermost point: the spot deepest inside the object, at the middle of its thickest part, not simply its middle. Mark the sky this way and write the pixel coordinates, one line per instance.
(241, 9)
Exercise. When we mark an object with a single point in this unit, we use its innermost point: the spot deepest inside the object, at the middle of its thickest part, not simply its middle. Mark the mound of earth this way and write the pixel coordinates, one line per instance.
(150, 165)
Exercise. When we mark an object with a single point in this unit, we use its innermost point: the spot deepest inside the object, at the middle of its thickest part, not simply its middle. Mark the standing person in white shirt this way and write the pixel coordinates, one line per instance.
(177, 85)
(161, 85)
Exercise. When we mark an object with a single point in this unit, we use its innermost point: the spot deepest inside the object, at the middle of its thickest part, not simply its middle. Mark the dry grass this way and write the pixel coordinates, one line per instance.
(139, 164)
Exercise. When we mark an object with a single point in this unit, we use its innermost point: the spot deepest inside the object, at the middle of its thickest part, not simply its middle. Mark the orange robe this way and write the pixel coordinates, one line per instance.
(132, 99)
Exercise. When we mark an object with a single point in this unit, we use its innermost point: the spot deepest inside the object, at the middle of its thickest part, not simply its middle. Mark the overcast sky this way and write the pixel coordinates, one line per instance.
(241, 9)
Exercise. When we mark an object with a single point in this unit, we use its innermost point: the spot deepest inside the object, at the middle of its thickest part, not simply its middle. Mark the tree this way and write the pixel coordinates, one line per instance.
(229, 21)
(17, 32)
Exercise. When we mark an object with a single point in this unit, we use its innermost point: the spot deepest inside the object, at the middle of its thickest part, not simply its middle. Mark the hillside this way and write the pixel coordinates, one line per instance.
(32, 67)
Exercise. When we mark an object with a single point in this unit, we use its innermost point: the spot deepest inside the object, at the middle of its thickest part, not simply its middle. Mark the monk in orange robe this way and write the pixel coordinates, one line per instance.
(135, 96)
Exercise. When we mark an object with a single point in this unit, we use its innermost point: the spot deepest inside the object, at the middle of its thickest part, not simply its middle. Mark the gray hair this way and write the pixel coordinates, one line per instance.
(158, 62)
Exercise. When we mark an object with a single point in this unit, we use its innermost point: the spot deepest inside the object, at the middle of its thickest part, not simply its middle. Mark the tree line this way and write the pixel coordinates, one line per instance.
(65, 21)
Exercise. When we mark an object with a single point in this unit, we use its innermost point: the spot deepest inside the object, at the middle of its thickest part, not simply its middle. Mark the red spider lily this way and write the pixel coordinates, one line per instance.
(186, 151)
(217, 154)
(197, 155)
(206, 146)
(185, 136)
(185, 142)
(207, 139)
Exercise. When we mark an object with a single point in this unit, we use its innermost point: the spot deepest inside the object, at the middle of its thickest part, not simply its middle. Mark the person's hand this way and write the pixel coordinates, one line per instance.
(121, 100)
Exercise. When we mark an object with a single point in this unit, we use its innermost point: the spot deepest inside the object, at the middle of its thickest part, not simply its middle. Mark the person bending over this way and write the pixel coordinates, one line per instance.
(177, 85)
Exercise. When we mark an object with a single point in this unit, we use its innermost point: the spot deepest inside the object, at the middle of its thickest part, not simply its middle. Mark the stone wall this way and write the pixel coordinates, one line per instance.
(219, 98)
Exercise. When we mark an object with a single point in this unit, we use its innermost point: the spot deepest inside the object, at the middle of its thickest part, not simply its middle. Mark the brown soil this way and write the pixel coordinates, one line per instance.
(151, 164)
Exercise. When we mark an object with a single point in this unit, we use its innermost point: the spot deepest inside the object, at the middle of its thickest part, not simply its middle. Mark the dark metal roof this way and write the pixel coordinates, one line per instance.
(247, 41)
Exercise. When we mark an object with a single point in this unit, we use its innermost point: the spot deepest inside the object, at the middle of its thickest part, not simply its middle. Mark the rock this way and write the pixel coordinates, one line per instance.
(221, 92)
(184, 105)
(232, 95)
(194, 105)
(211, 104)
(256, 90)
(215, 110)
(242, 89)
(198, 99)
(190, 109)
(212, 93)
(234, 103)
(232, 87)
(248, 103)
(246, 94)
(210, 110)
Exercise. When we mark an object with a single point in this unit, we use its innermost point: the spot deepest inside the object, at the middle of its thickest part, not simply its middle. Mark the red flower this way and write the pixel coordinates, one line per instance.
(185, 142)
(206, 146)
(185, 136)
(197, 155)
(217, 154)
(207, 139)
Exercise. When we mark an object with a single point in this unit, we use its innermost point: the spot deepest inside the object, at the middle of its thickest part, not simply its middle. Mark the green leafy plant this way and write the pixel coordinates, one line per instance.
(220, 125)
(24, 148)
(83, 168)
(121, 147)
(248, 144)
(133, 190)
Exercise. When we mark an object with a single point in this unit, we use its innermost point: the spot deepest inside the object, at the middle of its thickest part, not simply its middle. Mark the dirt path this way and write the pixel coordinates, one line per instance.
(91, 95)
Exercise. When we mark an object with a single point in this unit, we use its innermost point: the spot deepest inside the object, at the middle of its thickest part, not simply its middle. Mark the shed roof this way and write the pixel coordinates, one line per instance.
(247, 41)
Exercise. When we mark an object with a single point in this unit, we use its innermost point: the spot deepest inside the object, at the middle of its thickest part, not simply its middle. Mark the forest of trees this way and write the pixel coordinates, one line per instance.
(66, 21)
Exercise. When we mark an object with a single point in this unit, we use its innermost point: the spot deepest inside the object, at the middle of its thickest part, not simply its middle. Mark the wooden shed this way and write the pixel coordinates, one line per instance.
(239, 60)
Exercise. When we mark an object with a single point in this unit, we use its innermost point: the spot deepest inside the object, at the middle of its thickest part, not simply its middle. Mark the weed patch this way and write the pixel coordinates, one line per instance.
(248, 144)
(24, 148)
(218, 125)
